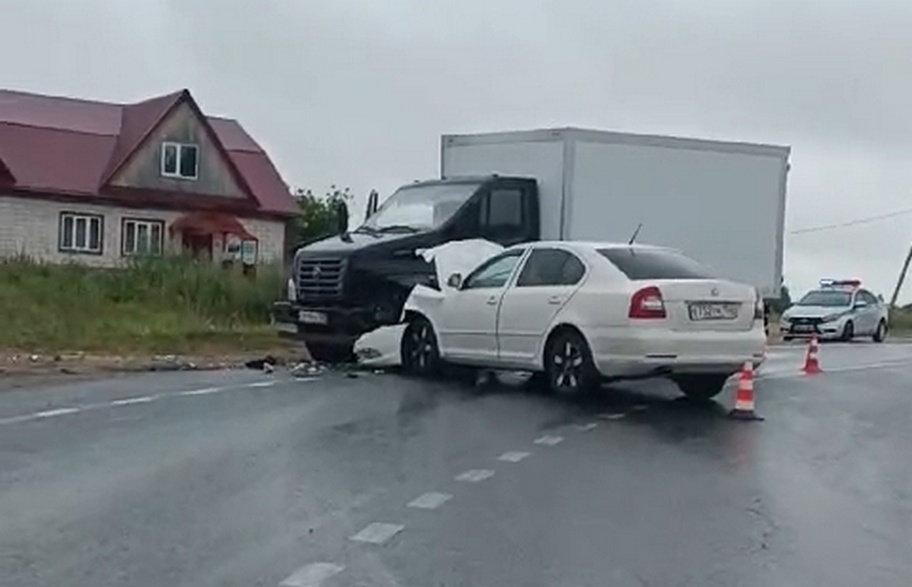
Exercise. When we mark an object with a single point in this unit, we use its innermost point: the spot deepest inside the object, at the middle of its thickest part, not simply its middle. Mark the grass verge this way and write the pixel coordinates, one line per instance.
(163, 305)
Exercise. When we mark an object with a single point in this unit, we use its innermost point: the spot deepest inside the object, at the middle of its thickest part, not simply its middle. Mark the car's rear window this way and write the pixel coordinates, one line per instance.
(637, 264)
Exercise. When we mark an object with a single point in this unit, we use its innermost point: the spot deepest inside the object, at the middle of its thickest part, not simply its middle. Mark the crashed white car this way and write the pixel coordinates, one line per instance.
(581, 313)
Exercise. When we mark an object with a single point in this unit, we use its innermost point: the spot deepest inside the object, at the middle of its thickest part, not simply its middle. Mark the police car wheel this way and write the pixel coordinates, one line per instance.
(848, 332)
(881, 332)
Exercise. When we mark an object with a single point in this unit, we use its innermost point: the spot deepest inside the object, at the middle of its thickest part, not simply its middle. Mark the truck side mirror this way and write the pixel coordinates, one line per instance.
(455, 280)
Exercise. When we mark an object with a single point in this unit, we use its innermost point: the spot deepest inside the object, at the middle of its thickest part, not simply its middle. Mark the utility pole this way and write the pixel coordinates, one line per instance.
(902, 278)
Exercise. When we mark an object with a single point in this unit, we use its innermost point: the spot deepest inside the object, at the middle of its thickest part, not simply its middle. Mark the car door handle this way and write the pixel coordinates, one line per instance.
(554, 300)
(492, 301)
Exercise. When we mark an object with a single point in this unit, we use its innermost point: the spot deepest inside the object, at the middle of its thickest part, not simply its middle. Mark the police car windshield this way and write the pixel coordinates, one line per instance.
(826, 298)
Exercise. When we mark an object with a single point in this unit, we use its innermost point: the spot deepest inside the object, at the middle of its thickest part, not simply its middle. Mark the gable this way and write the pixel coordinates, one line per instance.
(181, 126)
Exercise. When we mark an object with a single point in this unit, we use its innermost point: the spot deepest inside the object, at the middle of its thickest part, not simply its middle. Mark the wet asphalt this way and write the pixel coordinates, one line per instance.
(245, 479)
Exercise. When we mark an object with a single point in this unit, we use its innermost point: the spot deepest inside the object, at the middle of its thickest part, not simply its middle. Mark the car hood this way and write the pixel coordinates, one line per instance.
(813, 311)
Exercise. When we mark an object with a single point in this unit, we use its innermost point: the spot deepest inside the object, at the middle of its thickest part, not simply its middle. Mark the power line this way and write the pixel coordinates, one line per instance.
(855, 222)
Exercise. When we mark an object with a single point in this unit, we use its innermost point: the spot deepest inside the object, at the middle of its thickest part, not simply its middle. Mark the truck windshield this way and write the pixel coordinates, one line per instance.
(421, 207)
(828, 299)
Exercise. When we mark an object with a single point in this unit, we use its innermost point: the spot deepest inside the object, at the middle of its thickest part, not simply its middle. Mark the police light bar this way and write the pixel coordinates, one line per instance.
(844, 283)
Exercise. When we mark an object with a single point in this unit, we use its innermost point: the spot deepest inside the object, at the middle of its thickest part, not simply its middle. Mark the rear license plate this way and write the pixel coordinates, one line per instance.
(712, 311)
(308, 317)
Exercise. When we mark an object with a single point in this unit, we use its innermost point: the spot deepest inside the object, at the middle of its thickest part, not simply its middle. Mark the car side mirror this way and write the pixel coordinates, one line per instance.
(455, 280)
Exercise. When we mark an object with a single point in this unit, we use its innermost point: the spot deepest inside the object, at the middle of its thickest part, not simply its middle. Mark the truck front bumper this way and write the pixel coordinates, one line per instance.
(322, 325)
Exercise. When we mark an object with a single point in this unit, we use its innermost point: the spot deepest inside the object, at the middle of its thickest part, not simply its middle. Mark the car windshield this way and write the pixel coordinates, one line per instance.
(825, 298)
(420, 207)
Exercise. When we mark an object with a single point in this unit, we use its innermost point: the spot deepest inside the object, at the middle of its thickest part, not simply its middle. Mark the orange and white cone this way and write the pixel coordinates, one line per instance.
(744, 396)
(811, 363)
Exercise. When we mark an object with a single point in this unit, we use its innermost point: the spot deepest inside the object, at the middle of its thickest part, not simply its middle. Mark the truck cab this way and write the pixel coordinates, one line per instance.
(348, 284)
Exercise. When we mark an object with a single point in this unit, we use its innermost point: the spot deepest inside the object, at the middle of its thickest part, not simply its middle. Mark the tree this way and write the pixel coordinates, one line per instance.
(319, 215)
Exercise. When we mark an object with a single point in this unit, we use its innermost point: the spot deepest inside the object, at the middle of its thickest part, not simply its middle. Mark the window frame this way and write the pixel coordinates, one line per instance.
(88, 217)
(149, 222)
(518, 253)
(570, 255)
(178, 150)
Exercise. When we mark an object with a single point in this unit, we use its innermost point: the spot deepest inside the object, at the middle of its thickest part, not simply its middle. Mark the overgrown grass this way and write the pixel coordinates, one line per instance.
(161, 305)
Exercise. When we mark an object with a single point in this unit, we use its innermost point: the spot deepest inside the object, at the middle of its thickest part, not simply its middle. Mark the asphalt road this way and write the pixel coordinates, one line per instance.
(243, 479)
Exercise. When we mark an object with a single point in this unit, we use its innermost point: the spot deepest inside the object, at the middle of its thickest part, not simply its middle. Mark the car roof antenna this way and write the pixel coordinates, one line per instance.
(635, 233)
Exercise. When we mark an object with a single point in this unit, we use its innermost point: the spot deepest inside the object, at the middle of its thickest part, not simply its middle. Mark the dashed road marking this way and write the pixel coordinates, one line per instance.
(513, 456)
(430, 501)
(312, 575)
(377, 533)
(586, 427)
(549, 440)
(475, 475)
(612, 416)
(133, 400)
(262, 384)
(203, 391)
(57, 412)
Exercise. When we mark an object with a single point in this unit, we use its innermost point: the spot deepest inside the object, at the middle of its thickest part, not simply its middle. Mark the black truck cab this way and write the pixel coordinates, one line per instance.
(352, 283)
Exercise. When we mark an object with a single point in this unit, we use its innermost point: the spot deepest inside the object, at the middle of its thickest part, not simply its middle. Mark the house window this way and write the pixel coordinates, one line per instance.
(180, 160)
(142, 237)
(81, 233)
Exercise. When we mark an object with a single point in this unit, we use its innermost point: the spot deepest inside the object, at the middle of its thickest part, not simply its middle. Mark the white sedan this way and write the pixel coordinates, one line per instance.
(580, 313)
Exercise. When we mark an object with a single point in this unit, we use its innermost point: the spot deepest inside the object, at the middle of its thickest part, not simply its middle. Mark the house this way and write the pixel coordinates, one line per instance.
(98, 182)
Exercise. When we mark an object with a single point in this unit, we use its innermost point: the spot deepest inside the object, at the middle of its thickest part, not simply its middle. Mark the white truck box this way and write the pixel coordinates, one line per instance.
(722, 203)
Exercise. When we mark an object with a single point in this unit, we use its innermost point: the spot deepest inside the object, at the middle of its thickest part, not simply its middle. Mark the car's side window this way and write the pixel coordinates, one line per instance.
(868, 297)
(551, 267)
(494, 273)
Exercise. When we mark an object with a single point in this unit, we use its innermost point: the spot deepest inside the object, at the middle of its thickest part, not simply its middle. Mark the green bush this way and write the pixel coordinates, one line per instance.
(170, 304)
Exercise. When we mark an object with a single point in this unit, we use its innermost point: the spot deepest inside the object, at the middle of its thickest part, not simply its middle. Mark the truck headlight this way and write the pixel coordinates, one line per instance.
(290, 291)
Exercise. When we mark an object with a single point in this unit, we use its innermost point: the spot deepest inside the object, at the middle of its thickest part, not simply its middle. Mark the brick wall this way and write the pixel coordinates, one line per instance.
(32, 227)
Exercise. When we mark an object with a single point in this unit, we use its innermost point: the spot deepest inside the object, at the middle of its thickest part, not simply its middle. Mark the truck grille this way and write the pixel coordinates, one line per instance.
(320, 278)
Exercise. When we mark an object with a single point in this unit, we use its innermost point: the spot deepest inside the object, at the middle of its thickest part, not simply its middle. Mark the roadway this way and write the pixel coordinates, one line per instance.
(244, 479)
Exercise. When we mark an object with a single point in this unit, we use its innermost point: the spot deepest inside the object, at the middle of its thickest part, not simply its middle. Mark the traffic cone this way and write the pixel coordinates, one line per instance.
(744, 396)
(811, 363)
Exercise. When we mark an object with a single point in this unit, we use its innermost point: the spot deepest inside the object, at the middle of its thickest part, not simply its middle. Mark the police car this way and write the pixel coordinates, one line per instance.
(837, 310)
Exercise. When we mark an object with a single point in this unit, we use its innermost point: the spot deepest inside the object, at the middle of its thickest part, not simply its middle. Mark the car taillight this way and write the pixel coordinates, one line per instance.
(647, 304)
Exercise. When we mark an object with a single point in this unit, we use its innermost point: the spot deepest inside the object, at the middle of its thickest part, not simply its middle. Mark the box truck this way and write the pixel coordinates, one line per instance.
(720, 202)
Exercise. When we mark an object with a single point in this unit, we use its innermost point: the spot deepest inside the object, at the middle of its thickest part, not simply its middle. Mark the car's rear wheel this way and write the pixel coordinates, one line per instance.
(701, 387)
(881, 332)
(848, 331)
(419, 350)
(569, 366)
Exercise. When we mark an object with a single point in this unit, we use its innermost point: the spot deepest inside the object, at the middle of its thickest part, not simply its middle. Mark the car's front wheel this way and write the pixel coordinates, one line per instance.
(881, 333)
(848, 331)
(569, 366)
(701, 387)
(419, 350)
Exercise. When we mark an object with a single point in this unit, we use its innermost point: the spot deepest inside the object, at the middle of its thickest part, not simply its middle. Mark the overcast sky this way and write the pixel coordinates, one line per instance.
(357, 92)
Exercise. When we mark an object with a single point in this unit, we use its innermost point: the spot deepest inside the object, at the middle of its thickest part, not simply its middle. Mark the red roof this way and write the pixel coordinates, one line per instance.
(70, 147)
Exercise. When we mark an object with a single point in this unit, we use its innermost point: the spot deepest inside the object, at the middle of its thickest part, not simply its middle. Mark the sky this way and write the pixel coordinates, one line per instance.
(357, 93)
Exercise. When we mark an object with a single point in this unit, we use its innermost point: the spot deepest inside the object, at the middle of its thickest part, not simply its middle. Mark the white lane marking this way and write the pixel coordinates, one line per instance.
(612, 416)
(312, 575)
(475, 475)
(53, 413)
(430, 501)
(203, 391)
(377, 533)
(587, 427)
(549, 440)
(133, 400)
(262, 384)
(513, 456)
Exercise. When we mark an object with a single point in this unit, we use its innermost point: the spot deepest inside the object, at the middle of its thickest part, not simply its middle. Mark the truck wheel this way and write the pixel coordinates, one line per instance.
(569, 365)
(881, 333)
(701, 387)
(419, 350)
(331, 353)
